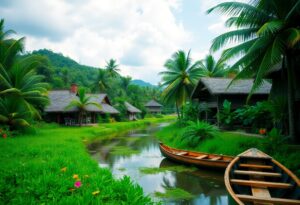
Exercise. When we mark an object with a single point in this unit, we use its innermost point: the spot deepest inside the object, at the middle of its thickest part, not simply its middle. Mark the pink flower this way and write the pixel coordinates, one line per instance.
(77, 184)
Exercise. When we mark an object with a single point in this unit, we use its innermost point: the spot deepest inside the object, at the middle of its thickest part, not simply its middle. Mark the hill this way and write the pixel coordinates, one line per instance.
(142, 83)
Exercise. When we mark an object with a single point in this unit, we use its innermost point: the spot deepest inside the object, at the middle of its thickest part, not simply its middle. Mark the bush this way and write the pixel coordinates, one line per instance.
(158, 116)
(191, 111)
(197, 132)
(106, 118)
(274, 141)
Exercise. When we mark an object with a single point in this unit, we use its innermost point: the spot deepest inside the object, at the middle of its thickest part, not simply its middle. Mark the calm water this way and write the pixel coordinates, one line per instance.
(206, 186)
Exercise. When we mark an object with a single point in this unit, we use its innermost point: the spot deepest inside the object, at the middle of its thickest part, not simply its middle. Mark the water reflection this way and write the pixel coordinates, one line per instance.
(207, 187)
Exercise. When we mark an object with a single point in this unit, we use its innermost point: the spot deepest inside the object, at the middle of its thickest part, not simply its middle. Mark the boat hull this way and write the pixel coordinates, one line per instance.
(191, 159)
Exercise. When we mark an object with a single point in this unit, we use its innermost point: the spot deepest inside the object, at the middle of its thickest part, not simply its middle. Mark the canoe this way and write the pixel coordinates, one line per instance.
(199, 159)
(254, 177)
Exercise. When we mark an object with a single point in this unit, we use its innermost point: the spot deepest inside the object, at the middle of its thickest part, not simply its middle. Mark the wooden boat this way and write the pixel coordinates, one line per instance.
(195, 158)
(254, 177)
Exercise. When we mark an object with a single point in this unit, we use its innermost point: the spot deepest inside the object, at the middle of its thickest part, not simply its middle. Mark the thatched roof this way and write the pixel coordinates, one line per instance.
(131, 108)
(60, 99)
(153, 103)
(216, 86)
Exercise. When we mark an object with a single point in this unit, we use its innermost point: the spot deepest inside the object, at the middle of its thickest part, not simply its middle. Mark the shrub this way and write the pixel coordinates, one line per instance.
(274, 141)
(158, 116)
(197, 132)
(190, 111)
(106, 118)
(225, 115)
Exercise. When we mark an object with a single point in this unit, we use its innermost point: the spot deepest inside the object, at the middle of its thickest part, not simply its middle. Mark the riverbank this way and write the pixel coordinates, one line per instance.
(231, 143)
(53, 167)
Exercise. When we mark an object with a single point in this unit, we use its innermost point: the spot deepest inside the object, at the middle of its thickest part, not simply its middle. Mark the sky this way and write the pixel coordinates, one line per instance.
(140, 34)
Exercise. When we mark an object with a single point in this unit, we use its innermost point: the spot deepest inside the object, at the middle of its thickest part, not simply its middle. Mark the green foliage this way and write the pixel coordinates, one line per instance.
(31, 168)
(22, 93)
(197, 132)
(180, 78)
(257, 116)
(225, 115)
(191, 111)
(266, 34)
(211, 68)
(274, 141)
(106, 118)
(234, 143)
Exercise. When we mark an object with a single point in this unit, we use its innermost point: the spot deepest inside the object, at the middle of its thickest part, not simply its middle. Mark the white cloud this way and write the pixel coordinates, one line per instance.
(141, 34)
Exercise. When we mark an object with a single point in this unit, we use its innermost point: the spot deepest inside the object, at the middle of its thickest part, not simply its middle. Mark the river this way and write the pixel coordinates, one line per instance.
(132, 152)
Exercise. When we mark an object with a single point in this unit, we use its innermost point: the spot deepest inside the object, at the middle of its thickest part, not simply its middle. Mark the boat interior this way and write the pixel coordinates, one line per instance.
(261, 181)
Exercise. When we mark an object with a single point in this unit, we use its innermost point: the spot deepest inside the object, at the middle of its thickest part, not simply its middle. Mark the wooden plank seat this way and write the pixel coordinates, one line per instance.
(256, 166)
(181, 153)
(249, 198)
(257, 173)
(215, 158)
(265, 184)
(201, 157)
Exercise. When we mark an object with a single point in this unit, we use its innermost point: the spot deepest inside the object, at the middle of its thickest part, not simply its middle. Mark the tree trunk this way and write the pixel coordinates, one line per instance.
(291, 109)
(177, 110)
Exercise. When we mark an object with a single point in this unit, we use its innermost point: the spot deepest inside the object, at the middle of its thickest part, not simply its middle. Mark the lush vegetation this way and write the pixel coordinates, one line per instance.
(233, 143)
(22, 92)
(43, 168)
(179, 79)
(267, 33)
(62, 71)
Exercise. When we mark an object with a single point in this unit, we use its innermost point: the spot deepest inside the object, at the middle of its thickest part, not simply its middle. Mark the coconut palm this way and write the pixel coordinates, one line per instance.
(18, 79)
(268, 33)
(101, 81)
(179, 79)
(125, 82)
(81, 104)
(212, 68)
(112, 68)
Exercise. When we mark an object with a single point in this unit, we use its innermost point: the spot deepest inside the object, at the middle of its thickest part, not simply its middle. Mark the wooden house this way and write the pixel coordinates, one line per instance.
(59, 99)
(131, 111)
(153, 107)
(211, 93)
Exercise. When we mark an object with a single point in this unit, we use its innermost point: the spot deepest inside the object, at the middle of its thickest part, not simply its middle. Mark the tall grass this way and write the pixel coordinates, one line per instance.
(39, 168)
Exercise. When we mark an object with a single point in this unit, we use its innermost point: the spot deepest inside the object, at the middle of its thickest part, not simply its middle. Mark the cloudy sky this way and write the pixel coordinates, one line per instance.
(140, 34)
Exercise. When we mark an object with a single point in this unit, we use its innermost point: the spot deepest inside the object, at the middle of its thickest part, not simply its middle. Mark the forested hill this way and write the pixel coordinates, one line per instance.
(62, 71)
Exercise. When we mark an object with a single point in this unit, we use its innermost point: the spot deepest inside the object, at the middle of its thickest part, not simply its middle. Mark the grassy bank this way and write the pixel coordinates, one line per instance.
(230, 143)
(42, 168)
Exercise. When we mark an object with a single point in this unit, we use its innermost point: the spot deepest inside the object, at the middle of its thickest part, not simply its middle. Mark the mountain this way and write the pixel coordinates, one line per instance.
(142, 83)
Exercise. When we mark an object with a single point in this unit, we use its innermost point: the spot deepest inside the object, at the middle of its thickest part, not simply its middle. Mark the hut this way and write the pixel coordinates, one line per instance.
(211, 93)
(153, 107)
(60, 99)
(131, 111)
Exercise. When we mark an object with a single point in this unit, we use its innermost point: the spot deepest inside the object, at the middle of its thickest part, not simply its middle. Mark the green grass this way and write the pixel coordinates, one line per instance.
(229, 143)
(155, 170)
(174, 193)
(30, 167)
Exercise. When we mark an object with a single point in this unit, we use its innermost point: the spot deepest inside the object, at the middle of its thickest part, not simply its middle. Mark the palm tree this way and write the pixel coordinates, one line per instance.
(13, 113)
(112, 68)
(268, 33)
(101, 81)
(212, 68)
(81, 104)
(125, 82)
(179, 79)
(18, 79)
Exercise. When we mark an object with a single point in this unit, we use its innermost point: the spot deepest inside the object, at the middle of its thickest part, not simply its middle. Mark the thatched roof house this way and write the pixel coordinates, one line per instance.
(153, 107)
(131, 111)
(213, 91)
(60, 99)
